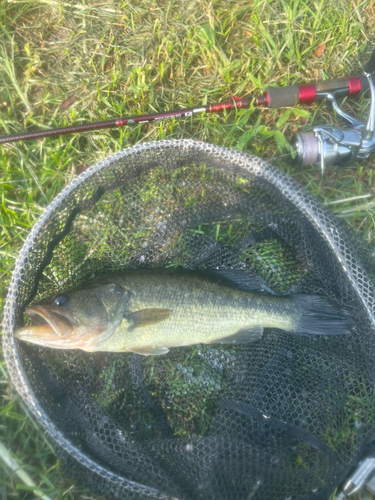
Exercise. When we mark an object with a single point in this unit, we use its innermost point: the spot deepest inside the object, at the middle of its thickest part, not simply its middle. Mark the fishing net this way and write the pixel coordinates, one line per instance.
(286, 417)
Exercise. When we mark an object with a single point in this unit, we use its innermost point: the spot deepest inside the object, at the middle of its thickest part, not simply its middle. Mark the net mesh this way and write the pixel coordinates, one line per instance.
(283, 418)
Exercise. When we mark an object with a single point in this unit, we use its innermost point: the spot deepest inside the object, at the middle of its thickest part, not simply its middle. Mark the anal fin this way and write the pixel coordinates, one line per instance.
(243, 336)
(150, 350)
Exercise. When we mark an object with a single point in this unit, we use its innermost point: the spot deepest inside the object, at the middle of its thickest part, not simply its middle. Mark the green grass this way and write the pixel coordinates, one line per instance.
(63, 63)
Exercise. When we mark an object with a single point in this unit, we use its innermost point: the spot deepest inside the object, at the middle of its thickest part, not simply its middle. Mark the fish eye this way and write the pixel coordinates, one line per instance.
(61, 300)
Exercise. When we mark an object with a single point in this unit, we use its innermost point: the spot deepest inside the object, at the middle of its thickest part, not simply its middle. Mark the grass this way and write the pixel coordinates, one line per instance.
(63, 63)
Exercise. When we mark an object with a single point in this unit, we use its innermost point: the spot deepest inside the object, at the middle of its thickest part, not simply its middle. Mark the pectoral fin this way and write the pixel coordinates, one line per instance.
(148, 350)
(243, 336)
(145, 317)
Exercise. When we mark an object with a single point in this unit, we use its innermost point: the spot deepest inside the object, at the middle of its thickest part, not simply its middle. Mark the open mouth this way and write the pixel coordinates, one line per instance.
(46, 325)
(59, 330)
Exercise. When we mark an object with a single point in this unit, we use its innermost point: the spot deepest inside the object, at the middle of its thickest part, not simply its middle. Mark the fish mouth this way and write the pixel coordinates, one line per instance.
(48, 327)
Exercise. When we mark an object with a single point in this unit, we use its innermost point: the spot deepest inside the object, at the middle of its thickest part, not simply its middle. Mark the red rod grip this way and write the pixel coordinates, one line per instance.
(306, 94)
(354, 85)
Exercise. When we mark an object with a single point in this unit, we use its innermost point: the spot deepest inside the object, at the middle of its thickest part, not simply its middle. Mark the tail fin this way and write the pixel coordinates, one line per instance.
(322, 316)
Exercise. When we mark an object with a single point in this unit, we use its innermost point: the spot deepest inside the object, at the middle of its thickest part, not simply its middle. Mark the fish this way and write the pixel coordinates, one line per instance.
(149, 311)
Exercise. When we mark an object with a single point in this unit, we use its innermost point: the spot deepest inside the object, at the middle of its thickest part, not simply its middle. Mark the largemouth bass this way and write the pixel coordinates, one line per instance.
(150, 311)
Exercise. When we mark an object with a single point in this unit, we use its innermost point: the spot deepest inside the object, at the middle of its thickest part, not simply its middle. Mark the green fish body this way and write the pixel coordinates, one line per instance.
(151, 311)
(170, 309)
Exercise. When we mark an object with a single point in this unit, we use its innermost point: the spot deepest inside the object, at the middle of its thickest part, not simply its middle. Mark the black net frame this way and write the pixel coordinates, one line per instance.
(286, 417)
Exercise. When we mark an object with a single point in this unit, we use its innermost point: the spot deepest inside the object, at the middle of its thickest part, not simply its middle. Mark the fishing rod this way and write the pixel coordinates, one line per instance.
(273, 98)
(323, 146)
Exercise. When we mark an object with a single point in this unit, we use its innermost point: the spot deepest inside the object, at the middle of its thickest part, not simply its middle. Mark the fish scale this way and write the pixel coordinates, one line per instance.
(202, 310)
(149, 311)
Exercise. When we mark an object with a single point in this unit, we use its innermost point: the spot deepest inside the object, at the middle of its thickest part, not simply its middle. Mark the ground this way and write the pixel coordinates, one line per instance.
(63, 63)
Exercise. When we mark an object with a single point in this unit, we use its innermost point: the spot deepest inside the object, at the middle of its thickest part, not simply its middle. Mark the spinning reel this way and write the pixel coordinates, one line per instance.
(330, 146)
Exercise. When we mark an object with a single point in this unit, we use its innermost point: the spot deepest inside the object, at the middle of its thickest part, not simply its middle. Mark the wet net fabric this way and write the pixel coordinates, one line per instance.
(283, 418)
